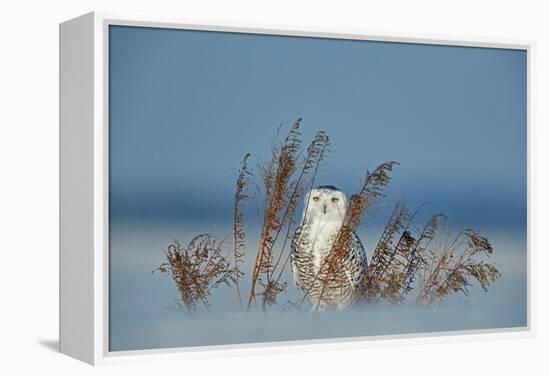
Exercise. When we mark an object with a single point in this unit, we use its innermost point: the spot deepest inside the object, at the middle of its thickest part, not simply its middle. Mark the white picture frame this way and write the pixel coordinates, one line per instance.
(84, 326)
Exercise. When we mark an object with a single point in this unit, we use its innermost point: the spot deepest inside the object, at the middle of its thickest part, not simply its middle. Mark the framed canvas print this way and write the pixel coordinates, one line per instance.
(228, 187)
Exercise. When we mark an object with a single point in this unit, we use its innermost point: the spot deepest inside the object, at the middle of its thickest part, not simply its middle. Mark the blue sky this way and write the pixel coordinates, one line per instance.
(185, 106)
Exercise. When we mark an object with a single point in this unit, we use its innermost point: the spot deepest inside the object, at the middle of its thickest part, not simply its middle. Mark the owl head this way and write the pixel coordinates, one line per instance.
(326, 203)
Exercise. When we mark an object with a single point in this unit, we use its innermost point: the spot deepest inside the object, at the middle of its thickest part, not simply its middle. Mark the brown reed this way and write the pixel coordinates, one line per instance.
(239, 234)
(197, 269)
(397, 258)
(285, 177)
(405, 258)
(453, 264)
(372, 187)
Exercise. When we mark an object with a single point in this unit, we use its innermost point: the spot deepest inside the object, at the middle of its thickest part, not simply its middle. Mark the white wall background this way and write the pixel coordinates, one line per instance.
(29, 184)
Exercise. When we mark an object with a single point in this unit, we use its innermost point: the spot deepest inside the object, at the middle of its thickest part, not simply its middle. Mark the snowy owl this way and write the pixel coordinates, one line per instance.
(324, 211)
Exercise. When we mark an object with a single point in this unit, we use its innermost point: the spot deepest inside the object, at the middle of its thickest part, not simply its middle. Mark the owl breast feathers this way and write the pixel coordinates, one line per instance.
(313, 242)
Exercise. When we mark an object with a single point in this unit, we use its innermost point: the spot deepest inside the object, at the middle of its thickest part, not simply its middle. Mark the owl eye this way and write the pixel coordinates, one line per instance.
(334, 200)
(315, 198)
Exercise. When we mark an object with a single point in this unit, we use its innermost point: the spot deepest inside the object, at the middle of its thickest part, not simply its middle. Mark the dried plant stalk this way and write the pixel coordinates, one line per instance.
(316, 153)
(285, 177)
(454, 264)
(386, 251)
(239, 235)
(404, 259)
(276, 177)
(417, 260)
(400, 258)
(371, 188)
(397, 257)
(198, 268)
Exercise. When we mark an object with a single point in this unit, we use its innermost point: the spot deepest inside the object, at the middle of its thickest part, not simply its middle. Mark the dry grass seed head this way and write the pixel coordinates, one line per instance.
(198, 268)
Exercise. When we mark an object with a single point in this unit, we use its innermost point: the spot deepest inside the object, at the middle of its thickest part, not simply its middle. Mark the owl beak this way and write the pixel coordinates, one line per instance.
(325, 209)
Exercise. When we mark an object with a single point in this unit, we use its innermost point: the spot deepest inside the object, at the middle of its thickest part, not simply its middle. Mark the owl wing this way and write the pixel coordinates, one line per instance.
(355, 263)
(358, 259)
(294, 255)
